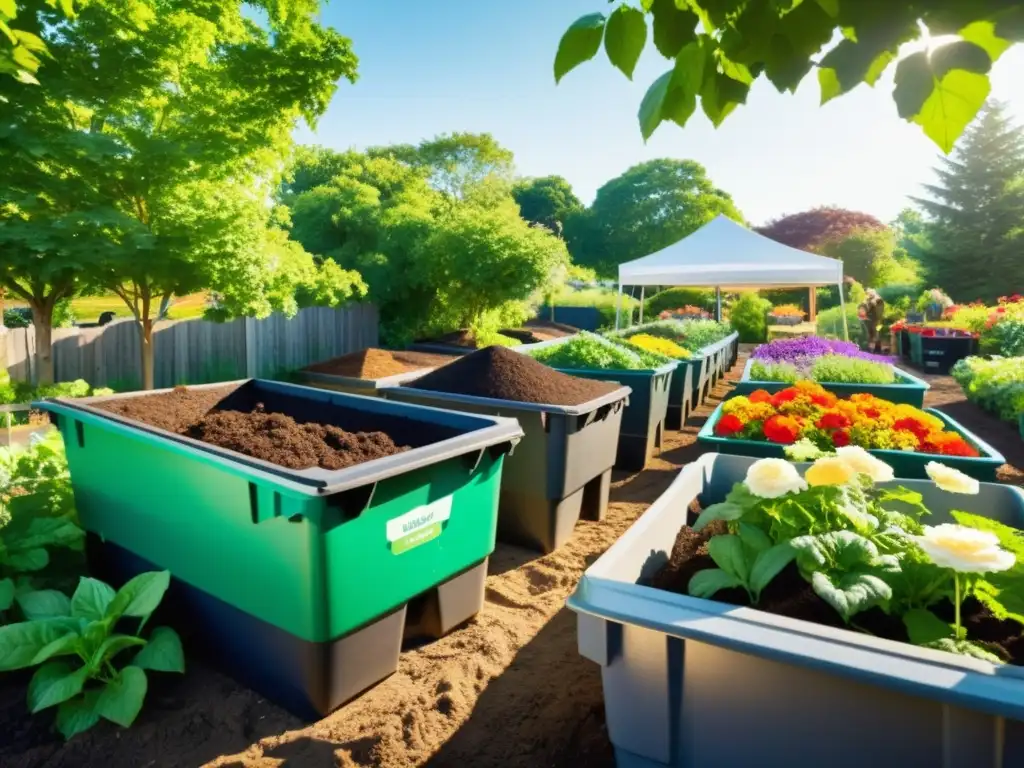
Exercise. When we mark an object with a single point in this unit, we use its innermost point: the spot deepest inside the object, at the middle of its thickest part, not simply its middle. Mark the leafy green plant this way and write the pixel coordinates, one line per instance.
(82, 662)
(748, 316)
(746, 559)
(830, 323)
(1002, 592)
(840, 369)
(996, 385)
(673, 298)
(587, 350)
(785, 372)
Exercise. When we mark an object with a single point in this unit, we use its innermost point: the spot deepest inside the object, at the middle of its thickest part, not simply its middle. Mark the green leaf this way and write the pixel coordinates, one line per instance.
(91, 599)
(924, 627)
(19, 643)
(65, 645)
(727, 552)
(965, 648)
(29, 560)
(983, 34)
(831, 7)
(650, 114)
(768, 565)
(112, 646)
(1001, 592)
(53, 683)
(624, 38)
(140, 596)
(709, 581)
(722, 511)
(579, 43)
(8, 8)
(753, 537)
(851, 593)
(121, 700)
(6, 594)
(78, 714)
(44, 604)
(850, 63)
(162, 653)
(943, 92)
(720, 95)
(673, 27)
(840, 549)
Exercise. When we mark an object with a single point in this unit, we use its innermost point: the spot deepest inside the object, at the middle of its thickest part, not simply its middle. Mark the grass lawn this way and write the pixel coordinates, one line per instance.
(88, 308)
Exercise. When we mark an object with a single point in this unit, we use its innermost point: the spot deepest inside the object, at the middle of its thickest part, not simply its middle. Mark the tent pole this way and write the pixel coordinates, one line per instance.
(641, 303)
(718, 303)
(842, 307)
(618, 308)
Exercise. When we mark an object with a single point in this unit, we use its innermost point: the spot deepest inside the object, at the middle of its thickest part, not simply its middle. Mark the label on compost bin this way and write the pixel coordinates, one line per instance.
(421, 525)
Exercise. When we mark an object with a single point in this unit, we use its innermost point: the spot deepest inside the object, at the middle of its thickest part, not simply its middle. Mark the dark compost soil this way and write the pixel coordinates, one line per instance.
(375, 363)
(506, 375)
(789, 594)
(253, 430)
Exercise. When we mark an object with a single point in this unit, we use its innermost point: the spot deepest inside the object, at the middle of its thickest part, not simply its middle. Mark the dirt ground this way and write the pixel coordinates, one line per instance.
(509, 689)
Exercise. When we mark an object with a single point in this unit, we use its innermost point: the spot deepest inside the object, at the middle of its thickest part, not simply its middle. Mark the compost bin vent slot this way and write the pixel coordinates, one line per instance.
(254, 503)
(353, 502)
(80, 433)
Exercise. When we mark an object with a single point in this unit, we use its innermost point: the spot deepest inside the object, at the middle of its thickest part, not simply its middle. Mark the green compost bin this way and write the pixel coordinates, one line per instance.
(909, 389)
(562, 468)
(301, 583)
(909, 464)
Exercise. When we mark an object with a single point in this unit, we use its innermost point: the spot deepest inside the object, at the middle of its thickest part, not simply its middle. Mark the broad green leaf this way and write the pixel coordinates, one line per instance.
(850, 63)
(983, 34)
(29, 560)
(1010, 24)
(30, 41)
(49, 532)
(1001, 592)
(112, 646)
(722, 511)
(121, 700)
(65, 645)
(8, 8)
(688, 73)
(753, 537)
(579, 43)
(6, 594)
(673, 27)
(650, 115)
(709, 581)
(727, 552)
(831, 7)
(44, 604)
(924, 627)
(624, 38)
(162, 653)
(720, 95)
(19, 643)
(965, 648)
(53, 683)
(767, 566)
(852, 593)
(91, 599)
(841, 549)
(140, 596)
(78, 714)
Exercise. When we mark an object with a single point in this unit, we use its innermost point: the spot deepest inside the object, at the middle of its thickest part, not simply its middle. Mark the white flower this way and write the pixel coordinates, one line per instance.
(771, 478)
(964, 549)
(949, 479)
(864, 463)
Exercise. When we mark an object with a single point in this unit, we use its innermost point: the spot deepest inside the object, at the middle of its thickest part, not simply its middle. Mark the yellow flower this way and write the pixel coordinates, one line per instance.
(864, 463)
(831, 470)
(964, 549)
(659, 346)
(951, 480)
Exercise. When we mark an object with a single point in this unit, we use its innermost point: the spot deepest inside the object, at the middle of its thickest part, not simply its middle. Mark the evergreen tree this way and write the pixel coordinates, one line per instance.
(976, 248)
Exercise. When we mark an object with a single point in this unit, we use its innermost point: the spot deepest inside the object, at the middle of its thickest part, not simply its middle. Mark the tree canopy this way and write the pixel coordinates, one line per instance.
(719, 48)
(810, 230)
(870, 257)
(548, 201)
(975, 230)
(647, 208)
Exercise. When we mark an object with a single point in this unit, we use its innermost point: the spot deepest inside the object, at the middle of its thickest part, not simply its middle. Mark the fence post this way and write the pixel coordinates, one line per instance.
(251, 356)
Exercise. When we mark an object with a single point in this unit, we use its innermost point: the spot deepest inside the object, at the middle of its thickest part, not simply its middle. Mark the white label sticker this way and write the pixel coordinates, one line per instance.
(433, 514)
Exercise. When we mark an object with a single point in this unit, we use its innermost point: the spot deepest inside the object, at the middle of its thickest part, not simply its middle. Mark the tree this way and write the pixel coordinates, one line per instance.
(811, 230)
(21, 50)
(912, 233)
(870, 257)
(647, 208)
(548, 201)
(976, 229)
(719, 47)
(171, 121)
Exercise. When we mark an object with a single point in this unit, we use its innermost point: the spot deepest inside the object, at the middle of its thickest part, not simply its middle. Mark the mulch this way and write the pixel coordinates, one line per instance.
(376, 363)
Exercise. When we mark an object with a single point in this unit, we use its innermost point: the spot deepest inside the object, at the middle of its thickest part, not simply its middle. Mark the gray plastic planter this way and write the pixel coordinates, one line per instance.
(693, 683)
(561, 470)
(909, 389)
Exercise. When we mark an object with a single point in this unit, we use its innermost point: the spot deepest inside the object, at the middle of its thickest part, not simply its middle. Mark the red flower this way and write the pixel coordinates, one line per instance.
(833, 421)
(729, 424)
(783, 396)
(915, 427)
(872, 413)
(840, 438)
(782, 430)
(760, 396)
(824, 399)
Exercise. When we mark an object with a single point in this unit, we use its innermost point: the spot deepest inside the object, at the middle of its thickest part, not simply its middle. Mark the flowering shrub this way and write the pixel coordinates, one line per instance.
(834, 369)
(996, 385)
(659, 346)
(802, 350)
(689, 312)
(863, 546)
(693, 335)
(787, 310)
(807, 411)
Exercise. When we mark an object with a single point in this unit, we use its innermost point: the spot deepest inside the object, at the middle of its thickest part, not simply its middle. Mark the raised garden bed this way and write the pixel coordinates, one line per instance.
(906, 463)
(561, 470)
(940, 352)
(368, 371)
(683, 676)
(909, 389)
(270, 564)
(462, 342)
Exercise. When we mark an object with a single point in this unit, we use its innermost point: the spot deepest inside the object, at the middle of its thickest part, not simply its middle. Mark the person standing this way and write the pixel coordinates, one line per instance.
(871, 313)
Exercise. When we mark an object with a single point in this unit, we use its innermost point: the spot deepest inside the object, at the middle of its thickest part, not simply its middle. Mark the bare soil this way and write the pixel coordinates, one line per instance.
(507, 690)
(377, 363)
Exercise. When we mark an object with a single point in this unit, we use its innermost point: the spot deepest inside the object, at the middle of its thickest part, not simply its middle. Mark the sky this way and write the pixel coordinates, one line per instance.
(486, 66)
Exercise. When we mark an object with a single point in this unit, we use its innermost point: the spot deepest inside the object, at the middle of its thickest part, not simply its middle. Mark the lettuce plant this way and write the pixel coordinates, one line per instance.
(85, 667)
(590, 351)
(746, 559)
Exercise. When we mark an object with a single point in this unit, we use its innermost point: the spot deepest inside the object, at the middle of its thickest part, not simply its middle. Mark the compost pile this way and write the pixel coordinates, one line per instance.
(377, 363)
(506, 375)
(272, 437)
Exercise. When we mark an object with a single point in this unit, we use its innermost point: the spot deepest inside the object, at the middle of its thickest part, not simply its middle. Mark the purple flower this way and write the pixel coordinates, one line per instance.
(801, 351)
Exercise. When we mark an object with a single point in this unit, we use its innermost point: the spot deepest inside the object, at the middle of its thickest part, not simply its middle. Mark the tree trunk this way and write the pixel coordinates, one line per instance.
(146, 336)
(42, 321)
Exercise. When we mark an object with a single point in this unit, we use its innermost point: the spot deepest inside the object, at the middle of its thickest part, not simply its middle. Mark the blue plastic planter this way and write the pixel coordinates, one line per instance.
(910, 389)
(906, 463)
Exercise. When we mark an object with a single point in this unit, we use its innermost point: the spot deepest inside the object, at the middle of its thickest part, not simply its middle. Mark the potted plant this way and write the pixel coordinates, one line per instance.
(786, 314)
(834, 608)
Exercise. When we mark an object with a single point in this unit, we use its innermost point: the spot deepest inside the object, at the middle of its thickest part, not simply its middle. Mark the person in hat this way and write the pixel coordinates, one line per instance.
(871, 313)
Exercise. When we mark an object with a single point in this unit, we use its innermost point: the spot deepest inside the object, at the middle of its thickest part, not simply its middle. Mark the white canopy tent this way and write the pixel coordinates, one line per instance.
(725, 254)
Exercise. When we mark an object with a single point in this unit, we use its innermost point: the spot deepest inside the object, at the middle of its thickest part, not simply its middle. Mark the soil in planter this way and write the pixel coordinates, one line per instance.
(255, 432)
(506, 375)
(789, 594)
(377, 363)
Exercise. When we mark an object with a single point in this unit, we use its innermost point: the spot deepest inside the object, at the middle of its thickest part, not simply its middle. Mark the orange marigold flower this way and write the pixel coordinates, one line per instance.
(760, 396)
(782, 429)
(783, 396)
(729, 424)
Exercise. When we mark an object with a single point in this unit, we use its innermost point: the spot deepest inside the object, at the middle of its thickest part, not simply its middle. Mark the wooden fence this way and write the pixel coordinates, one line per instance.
(197, 351)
